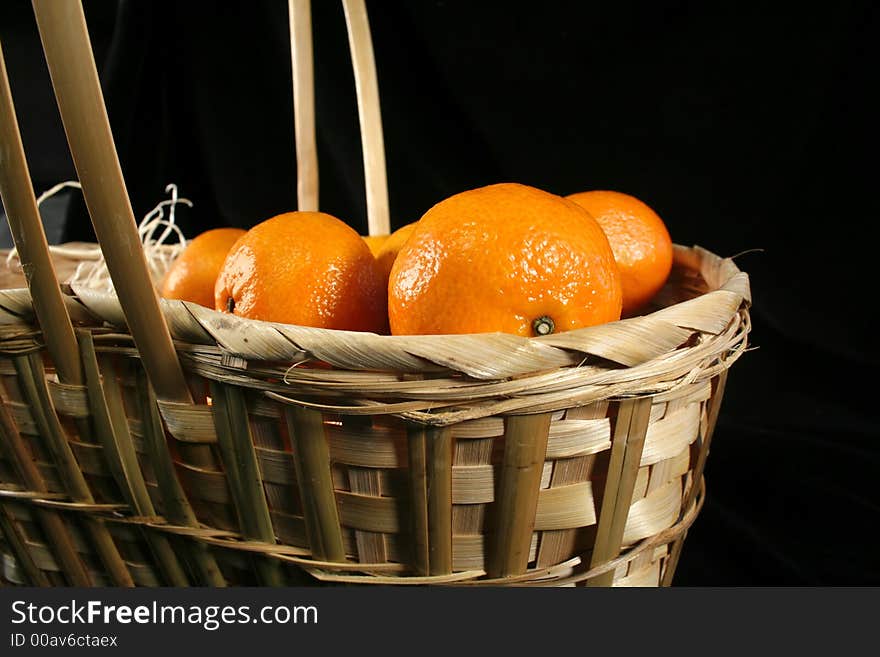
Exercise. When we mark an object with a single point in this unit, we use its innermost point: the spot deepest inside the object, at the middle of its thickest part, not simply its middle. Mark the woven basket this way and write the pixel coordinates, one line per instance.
(302, 455)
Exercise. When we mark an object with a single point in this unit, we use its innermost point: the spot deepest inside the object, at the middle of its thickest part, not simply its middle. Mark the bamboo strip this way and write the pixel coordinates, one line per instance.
(174, 501)
(21, 550)
(654, 512)
(470, 518)
(565, 507)
(90, 458)
(32, 379)
(121, 459)
(51, 501)
(189, 423)
(356, 510)
(30, 240)
(300, 19)
(52, 523)
(418, 481)
(525, 444)
(205, 485)
(440, 448)
(71, 64)
(667, 437)
(111, 427)
(430, 471)
(572, 437)
(74, 76)
(279, 467)
(70, 400)
(470, 551)
(558, 543)
(17, 305)
(628, 341)
(311, 457)
(473, 484)
(398, 581)
(237, 448)
(380, 448)
(121, 446)
(370, 115)
(366, 511)
(647, 574)
(17, 492)
(626, 454)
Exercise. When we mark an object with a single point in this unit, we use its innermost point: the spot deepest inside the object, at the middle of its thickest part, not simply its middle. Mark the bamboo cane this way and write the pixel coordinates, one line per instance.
(369, 114)
(626, 453)
(311, 457)
(71, 64)
(430, 453)
(26, 226)
(525, 448)
(74, 76)
(300, 16)
(30, 240)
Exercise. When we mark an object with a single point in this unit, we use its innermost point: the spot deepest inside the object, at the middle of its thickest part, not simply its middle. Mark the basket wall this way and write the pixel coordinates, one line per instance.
(248, 486)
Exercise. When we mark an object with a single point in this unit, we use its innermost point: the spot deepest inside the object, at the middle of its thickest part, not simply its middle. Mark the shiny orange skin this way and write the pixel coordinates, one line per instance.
(388, 253)
(640, 241)
(375, 242)
(192, 275)
(498, 258)
(304, 268)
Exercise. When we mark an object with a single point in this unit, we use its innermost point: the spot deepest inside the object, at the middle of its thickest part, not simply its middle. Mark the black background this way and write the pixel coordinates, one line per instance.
(748, 125)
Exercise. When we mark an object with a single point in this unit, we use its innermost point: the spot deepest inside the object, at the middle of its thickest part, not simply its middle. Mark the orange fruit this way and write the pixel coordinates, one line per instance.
(508, 258)
(192, 275)
(388, 253)
(304, 268)
(640, 241)
(375, 242)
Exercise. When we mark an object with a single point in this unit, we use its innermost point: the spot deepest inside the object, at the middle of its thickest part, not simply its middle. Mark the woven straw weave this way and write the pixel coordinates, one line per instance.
(326, 456)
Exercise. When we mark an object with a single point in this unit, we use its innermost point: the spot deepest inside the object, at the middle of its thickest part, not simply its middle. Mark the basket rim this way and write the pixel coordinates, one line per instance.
(625, 342)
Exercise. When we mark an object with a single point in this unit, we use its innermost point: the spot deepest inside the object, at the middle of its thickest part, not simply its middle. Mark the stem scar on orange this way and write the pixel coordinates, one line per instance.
(304, 268)
(192, 275)
(640, 241)
(504, 258)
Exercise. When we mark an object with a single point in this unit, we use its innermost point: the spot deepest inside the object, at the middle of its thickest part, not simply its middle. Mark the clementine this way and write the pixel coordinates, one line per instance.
(375, 242)
(192, 275)
(304, 268)
(388, 253)
(640, 241)
(508, 258)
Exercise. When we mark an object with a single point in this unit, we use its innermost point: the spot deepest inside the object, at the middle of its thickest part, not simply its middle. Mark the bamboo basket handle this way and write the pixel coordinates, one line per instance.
(71, 63)
(369, 115)
(301, 59)
(17, 192)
